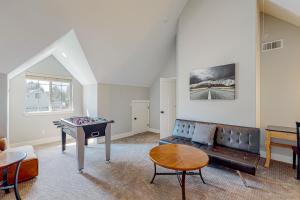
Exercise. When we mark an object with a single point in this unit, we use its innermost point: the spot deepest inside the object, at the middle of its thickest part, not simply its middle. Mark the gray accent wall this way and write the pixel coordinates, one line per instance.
(114, 103)
(3, 105)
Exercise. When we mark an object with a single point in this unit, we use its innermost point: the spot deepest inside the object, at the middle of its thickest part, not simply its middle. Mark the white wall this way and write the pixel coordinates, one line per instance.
(49, 66)
(168, 71)
(90, 100)
(280, 72)
(24, 127)
(211, 33)
(258, 67)
(3, 105)
(114, 103)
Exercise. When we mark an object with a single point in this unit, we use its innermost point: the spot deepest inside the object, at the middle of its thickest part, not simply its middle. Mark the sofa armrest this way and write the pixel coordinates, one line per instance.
(3, 144)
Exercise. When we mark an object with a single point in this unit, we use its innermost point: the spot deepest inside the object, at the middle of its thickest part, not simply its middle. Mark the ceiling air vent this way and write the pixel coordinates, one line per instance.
(268, 46)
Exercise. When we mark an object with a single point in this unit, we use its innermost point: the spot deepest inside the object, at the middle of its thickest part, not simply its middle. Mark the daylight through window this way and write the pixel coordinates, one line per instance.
(45, 94)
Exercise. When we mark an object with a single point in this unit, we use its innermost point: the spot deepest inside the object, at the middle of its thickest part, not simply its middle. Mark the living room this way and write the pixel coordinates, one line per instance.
(164, 99)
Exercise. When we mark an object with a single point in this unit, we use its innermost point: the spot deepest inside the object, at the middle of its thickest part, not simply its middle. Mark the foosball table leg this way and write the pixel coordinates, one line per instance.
(63, 140)
(80, 138)
(108, 141)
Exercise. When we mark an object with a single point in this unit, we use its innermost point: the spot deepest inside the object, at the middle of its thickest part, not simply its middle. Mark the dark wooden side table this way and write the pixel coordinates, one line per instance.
(181, 158)
(8, 159)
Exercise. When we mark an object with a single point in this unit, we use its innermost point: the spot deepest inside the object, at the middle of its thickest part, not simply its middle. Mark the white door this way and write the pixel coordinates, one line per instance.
(167, 106)
(140, 116)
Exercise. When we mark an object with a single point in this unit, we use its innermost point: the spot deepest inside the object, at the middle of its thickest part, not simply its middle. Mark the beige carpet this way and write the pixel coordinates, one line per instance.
(129, 173)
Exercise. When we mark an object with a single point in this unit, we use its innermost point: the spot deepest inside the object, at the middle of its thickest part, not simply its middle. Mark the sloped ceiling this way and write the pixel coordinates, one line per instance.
(67, 50)
(287, 10)
(125, 42)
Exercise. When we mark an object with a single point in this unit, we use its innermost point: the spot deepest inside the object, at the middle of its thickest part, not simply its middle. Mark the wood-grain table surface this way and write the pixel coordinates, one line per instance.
(179, 157)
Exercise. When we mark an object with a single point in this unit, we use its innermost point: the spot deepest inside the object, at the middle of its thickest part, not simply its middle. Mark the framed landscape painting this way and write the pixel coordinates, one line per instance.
(213, 83)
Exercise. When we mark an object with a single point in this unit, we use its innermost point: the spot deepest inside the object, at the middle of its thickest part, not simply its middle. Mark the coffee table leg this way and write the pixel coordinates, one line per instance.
(16, 181)
(200, 173)
(183, 185)
(153, 174)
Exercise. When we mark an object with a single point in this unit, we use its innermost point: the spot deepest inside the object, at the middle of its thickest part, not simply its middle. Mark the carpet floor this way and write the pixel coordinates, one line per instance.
(129, 173)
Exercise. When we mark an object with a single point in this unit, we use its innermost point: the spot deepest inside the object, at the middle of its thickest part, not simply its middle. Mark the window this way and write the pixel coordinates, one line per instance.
(45, 94)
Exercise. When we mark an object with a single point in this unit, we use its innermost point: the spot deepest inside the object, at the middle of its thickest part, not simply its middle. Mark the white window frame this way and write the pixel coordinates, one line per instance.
(51, 79)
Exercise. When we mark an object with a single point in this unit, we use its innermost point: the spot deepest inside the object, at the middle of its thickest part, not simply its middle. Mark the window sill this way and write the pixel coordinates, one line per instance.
(48, 113)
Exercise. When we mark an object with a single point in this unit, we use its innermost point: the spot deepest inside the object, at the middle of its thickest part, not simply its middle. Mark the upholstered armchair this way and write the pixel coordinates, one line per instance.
(3, 144)
(29, 167)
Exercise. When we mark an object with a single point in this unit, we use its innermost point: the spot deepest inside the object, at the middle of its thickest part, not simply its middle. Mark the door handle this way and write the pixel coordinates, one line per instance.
(162, 112)
(135, 118)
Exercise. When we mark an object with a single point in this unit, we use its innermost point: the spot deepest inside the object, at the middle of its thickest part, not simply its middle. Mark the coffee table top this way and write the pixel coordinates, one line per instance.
(10, 158)
(179, 157)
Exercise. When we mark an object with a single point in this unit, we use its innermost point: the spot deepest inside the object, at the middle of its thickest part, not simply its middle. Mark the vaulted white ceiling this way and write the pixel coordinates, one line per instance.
(67, 50)
(287, 10)
(124, 41)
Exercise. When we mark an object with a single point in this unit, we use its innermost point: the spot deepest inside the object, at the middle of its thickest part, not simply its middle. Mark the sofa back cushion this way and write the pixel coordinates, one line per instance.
(236, 137)
(204, 133)
(184, 128)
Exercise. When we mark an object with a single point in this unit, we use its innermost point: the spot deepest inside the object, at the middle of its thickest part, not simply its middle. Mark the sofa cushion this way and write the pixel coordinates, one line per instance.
(184, 128)
(204, 133)
(225, 156)
(243, 138)
(232, 158)
(176, 140)
(180, 140)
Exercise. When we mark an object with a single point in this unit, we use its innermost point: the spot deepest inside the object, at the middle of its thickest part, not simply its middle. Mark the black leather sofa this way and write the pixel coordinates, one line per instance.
(234, 147)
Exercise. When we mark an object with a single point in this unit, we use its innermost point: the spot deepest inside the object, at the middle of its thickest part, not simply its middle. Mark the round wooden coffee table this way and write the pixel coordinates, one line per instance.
(8, 159)
(181, 158)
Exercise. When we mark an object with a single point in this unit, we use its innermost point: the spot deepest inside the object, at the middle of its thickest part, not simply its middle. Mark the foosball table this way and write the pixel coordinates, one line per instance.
(82, 129)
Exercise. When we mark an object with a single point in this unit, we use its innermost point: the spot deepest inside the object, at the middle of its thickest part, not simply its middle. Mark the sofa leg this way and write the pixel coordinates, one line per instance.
(242, 178)
(294, 160)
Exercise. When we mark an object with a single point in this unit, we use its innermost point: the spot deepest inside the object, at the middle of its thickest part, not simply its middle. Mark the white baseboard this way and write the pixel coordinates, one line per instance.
(154, 130)
(58, 138)
(117, 136)
(278, 157)
(36, 142)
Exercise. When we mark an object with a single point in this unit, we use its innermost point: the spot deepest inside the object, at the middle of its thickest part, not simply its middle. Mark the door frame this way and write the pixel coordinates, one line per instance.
(176, 96)
(139, 101)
